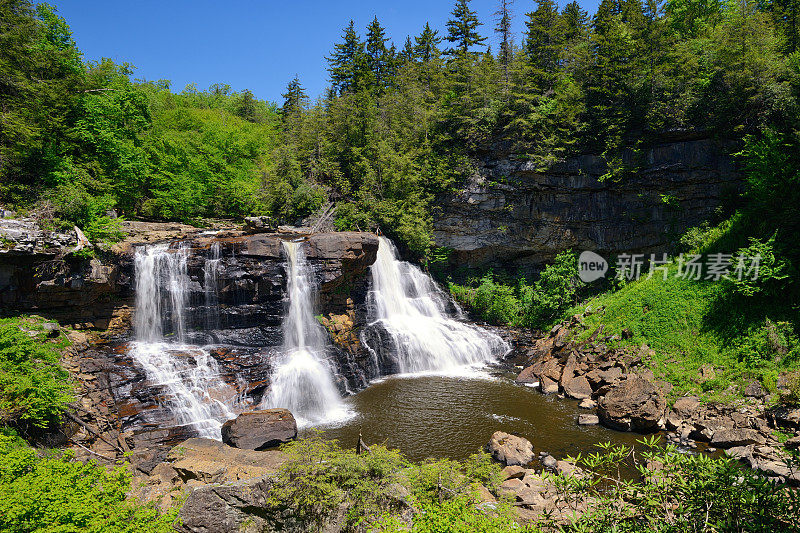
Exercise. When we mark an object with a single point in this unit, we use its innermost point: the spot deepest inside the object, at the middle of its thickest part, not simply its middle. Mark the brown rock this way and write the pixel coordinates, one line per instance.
(686, 407)
(548, 386)
(578, 388)
(510, 449)
(257, 430)
(727, 438)
(634, 404)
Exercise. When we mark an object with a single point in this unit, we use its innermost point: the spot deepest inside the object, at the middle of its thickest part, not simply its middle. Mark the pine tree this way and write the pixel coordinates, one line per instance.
(462, 30)
(427, 44)
(786, 14)
(295, 98)
(503, 27)
(347, 64)
(407, 54)
(574, 22)
(246, 106)
(378, 57)
(543, 44)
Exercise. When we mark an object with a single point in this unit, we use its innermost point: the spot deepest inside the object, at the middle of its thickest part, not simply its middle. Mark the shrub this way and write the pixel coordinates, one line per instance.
(554, 291)
(33, 388)
(55, 493)
(772, 272)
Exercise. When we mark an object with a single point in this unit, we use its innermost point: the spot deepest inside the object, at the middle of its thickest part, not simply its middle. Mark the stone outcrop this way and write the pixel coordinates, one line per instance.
(511, 214)
(258, 430)
(239, 312)
(510, 449)
(634, 404)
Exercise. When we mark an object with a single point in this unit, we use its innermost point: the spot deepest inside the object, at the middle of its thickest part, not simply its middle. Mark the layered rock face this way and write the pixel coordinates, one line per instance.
(235, 298)
(509, 213)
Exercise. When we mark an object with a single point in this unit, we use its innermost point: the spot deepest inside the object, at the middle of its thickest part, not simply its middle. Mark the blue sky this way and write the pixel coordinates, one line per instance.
(249, 44)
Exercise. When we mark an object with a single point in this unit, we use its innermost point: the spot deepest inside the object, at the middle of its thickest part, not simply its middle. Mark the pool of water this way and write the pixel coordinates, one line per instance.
(445, 416)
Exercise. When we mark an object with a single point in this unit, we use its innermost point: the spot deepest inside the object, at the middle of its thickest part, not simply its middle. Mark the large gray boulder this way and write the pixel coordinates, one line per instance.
(510, 449)
(634, 404)
(237, 507)
(258, 430)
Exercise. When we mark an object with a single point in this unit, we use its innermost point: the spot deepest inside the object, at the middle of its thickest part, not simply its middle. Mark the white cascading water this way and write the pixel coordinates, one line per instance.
(210, 286)
(412, 309)
(302, 379)
(197, 394)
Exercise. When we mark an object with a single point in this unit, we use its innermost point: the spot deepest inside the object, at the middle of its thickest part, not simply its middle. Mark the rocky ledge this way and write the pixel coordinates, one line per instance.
(617, 385)
(512, 214)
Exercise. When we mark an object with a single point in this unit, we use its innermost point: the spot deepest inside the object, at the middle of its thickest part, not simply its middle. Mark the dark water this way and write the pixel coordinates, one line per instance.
(440, 416)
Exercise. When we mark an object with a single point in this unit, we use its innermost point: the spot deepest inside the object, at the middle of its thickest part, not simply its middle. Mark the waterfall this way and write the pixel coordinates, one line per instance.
(197, 395)
(302, 379)
(411, 308)
(210, 286)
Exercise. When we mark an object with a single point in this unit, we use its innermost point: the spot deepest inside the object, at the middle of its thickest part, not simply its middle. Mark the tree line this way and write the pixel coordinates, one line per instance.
(398, 125)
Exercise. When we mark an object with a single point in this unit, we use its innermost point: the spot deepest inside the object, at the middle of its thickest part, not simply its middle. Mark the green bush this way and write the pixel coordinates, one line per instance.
(33, 388)
(773, 271)
(57, 494)
(676, 492)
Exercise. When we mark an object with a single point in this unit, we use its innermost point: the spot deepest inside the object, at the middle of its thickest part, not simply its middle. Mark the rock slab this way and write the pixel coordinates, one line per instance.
(510, 449)
(258, 430)
(634, 404)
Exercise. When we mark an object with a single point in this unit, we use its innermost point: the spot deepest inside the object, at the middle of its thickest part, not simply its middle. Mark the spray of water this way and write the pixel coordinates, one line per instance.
(413, 311)
(302, 380)
(197, 395)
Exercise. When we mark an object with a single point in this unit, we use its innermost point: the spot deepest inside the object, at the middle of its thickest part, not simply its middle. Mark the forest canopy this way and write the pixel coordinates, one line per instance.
(399, 125)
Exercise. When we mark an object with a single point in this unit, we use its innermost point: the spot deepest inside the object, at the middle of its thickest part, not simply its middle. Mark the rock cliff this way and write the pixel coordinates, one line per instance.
(510, 214)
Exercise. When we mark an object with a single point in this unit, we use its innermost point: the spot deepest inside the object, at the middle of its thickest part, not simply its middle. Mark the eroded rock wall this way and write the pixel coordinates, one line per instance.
(513, 215)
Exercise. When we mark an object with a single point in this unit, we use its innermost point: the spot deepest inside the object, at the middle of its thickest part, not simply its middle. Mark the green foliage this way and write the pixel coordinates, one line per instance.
(55, 493)
(537, 305)
(33, 387)
(771, 274)
(319, 476)
(677, 492)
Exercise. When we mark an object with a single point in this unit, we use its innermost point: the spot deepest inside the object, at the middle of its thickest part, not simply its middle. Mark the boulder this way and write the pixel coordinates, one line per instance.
(634, 404)
(599, 377)
(258, 430)
(230, 508)
(510, 449)
(588, 420)
(548, 386)
(587, 404)
(260, 224)
(210, 461)
(578, 388)
(754, 390)
(733, 437)
(686, 407)
(528, 375)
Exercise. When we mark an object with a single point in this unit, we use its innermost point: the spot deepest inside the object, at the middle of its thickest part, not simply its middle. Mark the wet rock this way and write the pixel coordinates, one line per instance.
(587, 403)
(548, 462)
(578, 388)
(588, 420)
(257, 430)
(727, 438)
(634, 404)
(510, 449)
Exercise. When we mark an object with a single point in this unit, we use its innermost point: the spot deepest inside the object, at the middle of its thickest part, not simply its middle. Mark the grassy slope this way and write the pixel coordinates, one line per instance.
(690, 324)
